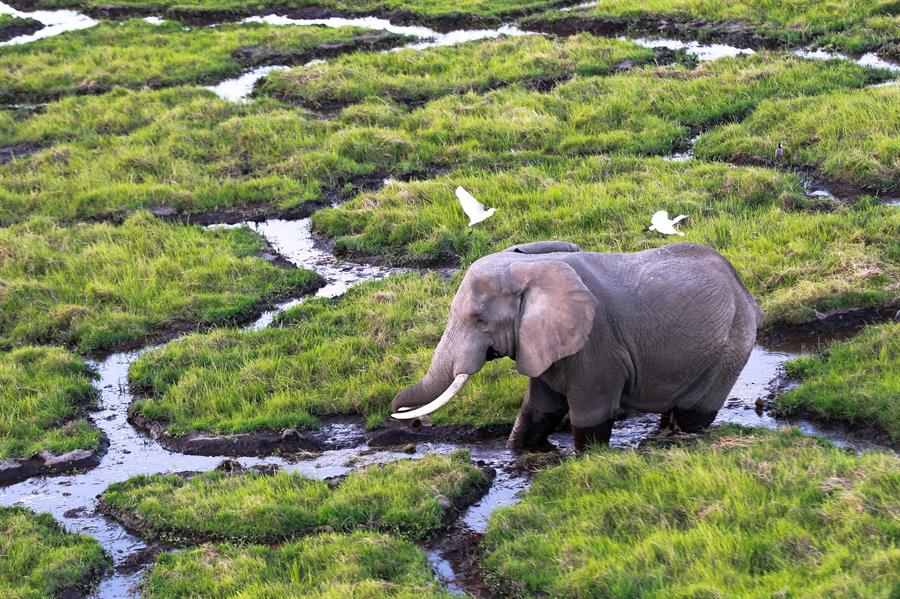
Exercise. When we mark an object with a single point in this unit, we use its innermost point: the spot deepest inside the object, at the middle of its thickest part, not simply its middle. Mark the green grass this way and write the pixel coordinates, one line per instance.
(856, 26)
(851, 136)
(855, 381)
(794, 261)
(136, 53)
(740, 515)
(184, 148)
(418, 75)
(328, 566)
(39, 559)
(92, 287)
(349, 356)
(44, 391)
(478, 11)
(398, 498)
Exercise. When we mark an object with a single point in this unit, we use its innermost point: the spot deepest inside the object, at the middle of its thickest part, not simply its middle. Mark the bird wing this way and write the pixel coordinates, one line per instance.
(660, 219)
(472, 207)
(678, 218)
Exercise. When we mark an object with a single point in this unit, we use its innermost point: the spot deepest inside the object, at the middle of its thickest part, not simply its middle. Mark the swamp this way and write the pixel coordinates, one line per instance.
(232, 234)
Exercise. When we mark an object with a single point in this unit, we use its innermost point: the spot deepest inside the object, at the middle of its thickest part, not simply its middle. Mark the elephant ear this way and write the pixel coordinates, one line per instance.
(556, 316)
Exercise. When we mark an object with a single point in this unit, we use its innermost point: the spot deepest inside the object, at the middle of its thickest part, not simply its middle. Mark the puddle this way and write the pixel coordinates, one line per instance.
(154, 20)
(870, 60)
(55, 22)
(237, 89)
(428, 38)
(702, 52)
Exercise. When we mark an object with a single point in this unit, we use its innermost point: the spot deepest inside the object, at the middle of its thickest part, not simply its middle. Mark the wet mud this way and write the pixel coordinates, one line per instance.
(17, 151)
(52, 22)
(13, 31)
(49, 464)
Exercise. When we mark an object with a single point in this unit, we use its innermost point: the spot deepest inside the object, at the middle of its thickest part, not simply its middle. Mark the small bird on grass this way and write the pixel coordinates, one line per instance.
(661, 223)
(779, 151)
(473, 208)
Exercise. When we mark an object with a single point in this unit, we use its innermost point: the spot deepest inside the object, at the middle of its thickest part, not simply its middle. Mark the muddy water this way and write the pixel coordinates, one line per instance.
(55, 22)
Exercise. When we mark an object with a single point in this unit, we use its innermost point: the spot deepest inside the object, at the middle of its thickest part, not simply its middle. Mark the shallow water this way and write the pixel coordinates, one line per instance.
(702, 52)
(869, 60)
(239, 88)
(55, 22)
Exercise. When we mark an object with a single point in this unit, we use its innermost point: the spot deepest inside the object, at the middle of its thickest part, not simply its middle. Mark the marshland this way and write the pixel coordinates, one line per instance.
(229, 238)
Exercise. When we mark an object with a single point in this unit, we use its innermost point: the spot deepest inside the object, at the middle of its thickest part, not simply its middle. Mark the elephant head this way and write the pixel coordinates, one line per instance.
(519, 303)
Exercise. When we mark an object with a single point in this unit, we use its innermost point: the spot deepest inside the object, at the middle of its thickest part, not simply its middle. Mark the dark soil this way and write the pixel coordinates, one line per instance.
(16, 151)
(48, 464)
(293, 441)
(834, 325)
(7, 33)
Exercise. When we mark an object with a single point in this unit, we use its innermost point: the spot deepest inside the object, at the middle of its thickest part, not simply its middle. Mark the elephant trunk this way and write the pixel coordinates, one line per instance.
(444, 379)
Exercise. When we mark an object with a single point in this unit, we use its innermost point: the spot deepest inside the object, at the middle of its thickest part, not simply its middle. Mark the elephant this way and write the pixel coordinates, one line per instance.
(665, 330)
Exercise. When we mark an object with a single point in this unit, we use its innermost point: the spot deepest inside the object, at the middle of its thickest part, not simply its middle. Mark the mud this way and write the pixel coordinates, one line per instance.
(48, 464)
(730, 33)
(13, 31)
(255, 56)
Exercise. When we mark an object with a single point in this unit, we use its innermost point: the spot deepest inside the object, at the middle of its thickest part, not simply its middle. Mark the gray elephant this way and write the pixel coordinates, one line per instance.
(666, 330)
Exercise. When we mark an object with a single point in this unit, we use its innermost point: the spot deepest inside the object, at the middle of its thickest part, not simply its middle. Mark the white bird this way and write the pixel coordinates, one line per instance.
(661, 223)
(473, 208)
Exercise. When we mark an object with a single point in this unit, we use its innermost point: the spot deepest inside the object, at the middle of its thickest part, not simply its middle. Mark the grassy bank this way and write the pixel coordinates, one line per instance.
(11, 26)
(749, 515)
(40, 559)
(93, 287)
(416, 75)
(43, 394)
(855, 381)
(136, 54)
(203, 154)
(330, 566)
(850, 136)
(399, 498)
(853, 27)
(349, 356)
(844, 257)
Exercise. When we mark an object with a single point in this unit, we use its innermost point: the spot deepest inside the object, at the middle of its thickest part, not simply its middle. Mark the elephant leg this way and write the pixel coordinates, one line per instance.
(699, 408)
(592, 416)
(540, 414)
(691, 421)
(592, 435)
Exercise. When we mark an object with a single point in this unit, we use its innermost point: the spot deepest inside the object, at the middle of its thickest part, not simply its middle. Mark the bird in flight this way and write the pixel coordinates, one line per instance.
(472, 207)
(661, 223)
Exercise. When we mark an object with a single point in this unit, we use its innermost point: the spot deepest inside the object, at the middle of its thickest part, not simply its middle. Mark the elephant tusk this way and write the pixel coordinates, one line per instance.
(443, 398)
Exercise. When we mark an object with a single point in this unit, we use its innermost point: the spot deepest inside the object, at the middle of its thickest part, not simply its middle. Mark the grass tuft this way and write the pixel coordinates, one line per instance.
(44, 391)
(94, 287)
(855, 381)
(41, 559)
(741, 515)
(327, 566)
(399, 498)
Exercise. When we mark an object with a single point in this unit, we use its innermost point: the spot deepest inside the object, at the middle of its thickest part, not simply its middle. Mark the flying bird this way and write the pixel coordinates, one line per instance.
(472, 207)
(661, 223)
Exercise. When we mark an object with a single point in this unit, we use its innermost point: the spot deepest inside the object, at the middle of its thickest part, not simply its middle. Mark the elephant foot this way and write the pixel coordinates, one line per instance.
(691, 421)
(598, 434)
